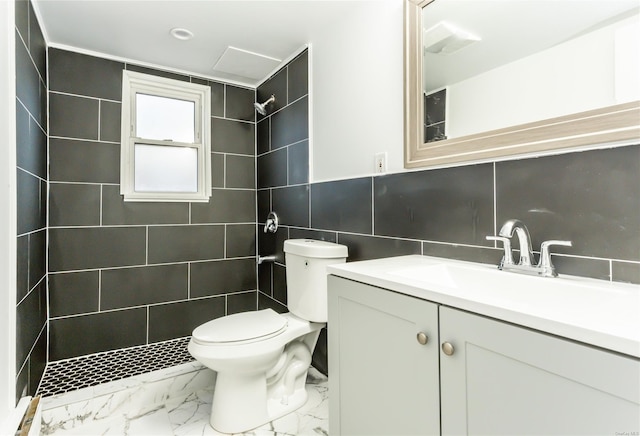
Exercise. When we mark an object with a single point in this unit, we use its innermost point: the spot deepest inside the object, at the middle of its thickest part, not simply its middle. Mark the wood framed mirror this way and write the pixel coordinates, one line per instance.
(611, 119)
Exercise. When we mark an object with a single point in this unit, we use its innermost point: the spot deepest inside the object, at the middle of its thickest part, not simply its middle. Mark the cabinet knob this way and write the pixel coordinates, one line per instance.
(447, 348)
(422, 338)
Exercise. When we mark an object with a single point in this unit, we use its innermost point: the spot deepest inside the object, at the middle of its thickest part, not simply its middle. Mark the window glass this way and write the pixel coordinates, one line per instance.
(165, 119)
(165, 169)
(165, 153)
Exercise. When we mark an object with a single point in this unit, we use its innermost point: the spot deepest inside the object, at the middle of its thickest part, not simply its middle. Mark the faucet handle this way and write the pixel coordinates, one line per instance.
(507, 259)
(545, 257)
(271, 225)
(504, 240)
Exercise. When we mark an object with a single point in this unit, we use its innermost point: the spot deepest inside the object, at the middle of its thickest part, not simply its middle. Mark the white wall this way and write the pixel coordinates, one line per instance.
(357, 86)
(7, 215)
(575, 76)
(357, 89)
(627, 57)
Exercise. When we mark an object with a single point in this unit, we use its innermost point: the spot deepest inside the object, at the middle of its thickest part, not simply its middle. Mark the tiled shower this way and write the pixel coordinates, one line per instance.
(31, 173)
(127, 274)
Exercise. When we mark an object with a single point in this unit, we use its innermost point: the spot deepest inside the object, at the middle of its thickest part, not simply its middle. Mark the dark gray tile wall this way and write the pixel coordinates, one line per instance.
(124, 274)
(591, 198)
(449, 205)
(31, 173)
(282, 185)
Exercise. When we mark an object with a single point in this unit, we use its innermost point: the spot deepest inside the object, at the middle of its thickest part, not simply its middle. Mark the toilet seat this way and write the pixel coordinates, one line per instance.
(241, 328)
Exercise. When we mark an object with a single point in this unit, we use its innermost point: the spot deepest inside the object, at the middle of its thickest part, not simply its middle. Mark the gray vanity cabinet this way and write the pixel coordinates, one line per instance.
(382, 380)
(507, 380)
(495, 378)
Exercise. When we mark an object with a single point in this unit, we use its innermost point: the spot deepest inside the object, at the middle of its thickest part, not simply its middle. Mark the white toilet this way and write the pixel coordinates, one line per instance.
(262, 357)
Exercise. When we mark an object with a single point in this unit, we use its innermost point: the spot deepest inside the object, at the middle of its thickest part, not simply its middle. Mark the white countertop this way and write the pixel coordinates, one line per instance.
(597, 312)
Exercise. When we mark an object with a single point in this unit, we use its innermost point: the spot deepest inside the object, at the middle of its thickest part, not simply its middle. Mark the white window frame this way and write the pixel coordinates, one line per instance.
(134, 83)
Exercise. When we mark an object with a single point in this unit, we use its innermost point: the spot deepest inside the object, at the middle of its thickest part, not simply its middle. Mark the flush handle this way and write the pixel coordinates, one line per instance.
(447, 348)
(422, 338)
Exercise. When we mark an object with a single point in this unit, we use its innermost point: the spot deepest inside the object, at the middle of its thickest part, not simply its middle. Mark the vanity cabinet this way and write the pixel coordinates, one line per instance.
(506, 379)
(382, 380)
(498, 379)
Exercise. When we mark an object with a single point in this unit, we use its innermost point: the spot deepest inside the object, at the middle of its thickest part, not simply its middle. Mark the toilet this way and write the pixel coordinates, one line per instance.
(262, 357)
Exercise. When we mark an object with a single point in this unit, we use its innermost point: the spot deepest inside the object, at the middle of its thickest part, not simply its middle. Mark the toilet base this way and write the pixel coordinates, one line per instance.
(260, 381)
(255, 409)
(295, 401)
(238, 401)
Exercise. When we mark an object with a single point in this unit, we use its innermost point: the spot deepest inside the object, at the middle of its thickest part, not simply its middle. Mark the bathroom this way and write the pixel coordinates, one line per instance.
(81, 287)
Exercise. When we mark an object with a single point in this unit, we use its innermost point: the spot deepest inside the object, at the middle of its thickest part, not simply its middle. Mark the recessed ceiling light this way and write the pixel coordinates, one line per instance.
(182, 34)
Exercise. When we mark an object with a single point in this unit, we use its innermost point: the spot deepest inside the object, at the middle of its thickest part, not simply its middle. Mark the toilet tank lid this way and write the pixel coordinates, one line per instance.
(313, 248)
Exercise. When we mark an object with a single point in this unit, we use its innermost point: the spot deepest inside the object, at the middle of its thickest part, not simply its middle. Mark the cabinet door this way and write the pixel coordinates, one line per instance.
(382, 381)
(508, 380)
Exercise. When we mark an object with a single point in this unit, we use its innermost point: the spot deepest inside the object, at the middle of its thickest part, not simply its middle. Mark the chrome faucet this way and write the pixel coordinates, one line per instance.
(525, 264)
(524, 239)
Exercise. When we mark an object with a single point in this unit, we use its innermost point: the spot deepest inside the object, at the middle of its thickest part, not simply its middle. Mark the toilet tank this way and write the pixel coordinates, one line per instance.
(306, 267)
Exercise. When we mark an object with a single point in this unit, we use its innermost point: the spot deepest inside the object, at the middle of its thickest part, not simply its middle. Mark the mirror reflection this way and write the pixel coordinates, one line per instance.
(491, 64)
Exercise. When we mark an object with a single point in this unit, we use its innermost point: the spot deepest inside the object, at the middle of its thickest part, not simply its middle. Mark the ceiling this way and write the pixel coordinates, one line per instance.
(510, 30)
(244, 41)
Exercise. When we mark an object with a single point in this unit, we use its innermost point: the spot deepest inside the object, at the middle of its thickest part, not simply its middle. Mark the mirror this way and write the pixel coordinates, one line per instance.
(555, 80)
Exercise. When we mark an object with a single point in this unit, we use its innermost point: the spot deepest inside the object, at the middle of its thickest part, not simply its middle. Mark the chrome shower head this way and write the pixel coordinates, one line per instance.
(262, 107)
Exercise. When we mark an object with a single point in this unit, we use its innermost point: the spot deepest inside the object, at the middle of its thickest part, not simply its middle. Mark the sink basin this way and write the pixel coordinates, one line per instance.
(457, 276)
(488, 278)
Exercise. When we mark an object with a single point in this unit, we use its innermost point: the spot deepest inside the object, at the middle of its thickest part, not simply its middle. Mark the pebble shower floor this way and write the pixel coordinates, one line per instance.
(85, 371)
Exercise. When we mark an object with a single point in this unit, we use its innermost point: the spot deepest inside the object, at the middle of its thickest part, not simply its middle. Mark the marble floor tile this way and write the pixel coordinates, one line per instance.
(172, 403)
(154, 423)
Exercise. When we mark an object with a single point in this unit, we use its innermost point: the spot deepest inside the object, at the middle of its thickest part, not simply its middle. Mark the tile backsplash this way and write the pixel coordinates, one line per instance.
(591, 198)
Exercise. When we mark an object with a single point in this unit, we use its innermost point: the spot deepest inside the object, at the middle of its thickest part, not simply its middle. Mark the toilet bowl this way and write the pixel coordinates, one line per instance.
(262, 357)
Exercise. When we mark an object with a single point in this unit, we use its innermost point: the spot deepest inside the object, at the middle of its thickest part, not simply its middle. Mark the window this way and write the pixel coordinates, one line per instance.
(166, 144)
